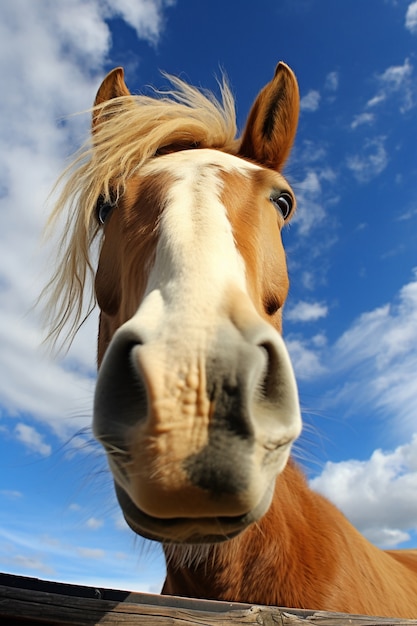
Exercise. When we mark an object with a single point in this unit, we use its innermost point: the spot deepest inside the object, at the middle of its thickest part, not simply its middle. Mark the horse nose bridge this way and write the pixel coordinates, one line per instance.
(222, 364)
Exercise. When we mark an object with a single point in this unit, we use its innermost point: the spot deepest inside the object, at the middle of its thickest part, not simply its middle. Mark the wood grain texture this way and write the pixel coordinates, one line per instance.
(31, 601)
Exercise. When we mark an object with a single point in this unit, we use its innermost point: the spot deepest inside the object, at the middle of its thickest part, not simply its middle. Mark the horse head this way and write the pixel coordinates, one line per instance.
(196, 402)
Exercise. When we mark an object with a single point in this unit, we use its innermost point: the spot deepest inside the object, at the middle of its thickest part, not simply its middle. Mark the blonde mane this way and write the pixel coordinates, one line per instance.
(128, 131)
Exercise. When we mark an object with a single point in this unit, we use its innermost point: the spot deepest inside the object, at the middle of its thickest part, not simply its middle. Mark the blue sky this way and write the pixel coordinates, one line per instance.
(350, 320)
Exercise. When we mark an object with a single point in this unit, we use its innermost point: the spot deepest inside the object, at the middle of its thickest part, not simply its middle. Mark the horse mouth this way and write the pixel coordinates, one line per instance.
(183, 530)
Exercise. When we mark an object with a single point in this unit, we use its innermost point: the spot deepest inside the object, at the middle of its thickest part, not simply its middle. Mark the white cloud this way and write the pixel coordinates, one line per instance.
(63, 555)
(46, 388)
(32, 439)
(80, 26)
(93, 523)
(362, 118)
(395, 76)
(314, 219)
(408, 214)
(332, 81)
(380, 97)
(370, 162)
(327, 174)
(396, 80)
(386, 537)
(377, 495)
(31, 563)
(11, 494)
(310, 211)
(378, 358)
(91, 553)
(52, 57)
(308, 280)
(311, 152)
(319, 340)
(145, 16)
(306, 311)
(305, 359)
(411, 18)
(311, 101)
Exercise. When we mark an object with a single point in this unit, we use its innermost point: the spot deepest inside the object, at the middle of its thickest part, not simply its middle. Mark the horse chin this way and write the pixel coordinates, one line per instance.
(181, 530)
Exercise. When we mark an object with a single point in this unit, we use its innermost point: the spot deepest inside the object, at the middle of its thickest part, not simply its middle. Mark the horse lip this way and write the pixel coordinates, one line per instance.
(176, 530)
(271, 445)
(189, 539)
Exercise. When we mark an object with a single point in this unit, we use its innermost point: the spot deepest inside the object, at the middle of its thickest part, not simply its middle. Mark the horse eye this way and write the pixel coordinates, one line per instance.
(103, 209)
(284, 202)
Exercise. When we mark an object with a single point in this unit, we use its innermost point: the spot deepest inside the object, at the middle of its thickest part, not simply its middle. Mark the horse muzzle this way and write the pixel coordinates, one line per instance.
(196, 426)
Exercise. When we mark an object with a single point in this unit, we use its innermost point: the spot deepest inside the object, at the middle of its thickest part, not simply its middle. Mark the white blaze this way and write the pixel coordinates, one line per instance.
(197, 260)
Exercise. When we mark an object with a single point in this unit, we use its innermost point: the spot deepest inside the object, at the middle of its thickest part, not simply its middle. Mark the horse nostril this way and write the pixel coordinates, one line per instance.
(120, 398)
(268, 382)
(272, 305)
(277, 379)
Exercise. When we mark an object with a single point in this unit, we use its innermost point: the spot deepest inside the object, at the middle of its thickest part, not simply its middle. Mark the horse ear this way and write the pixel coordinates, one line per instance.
(113, 86)
(272, 122)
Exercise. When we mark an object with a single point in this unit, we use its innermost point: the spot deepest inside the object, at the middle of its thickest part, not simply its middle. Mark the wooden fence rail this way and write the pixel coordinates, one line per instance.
(33, 601)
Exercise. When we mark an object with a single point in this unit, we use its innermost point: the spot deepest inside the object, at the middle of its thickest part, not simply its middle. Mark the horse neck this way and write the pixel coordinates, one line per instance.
(304, 554)
(272, 562)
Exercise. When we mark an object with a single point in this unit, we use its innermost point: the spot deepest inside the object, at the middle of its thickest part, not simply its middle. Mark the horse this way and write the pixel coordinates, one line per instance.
(196, 402)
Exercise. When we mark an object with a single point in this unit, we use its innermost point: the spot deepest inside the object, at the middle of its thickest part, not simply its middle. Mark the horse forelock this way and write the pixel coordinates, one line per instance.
(130, 131)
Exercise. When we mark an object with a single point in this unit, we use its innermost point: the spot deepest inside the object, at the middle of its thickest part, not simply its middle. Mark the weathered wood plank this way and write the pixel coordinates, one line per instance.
(40, 602)
(293, 617)
(45, 608)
